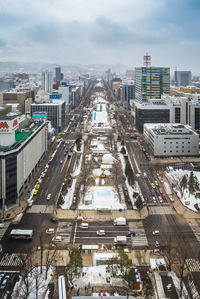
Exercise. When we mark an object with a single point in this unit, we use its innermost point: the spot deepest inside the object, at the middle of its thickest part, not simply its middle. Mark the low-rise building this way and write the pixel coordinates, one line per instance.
(171, 139)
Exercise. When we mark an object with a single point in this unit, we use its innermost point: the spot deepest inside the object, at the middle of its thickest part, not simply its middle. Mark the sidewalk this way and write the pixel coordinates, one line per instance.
(14, 210)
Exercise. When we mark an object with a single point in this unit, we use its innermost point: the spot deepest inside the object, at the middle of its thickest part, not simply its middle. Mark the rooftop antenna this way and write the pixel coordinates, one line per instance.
(147, 60)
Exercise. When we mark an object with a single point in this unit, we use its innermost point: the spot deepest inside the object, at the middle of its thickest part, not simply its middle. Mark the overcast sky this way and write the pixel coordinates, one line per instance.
(101, 31)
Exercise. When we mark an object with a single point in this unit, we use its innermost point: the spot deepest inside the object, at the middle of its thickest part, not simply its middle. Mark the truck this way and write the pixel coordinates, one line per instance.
(119, 221)
(120, 240)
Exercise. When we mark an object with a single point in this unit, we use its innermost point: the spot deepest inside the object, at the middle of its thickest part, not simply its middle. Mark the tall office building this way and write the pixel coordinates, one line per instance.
(128, 93)
(47, 81)
(182, 78)
(58, 75)
(151, 82)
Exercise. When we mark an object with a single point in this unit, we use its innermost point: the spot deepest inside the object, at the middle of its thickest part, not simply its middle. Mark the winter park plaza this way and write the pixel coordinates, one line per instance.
(116, 222)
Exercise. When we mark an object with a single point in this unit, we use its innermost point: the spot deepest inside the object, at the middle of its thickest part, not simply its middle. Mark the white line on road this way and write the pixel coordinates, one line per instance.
(75, 233)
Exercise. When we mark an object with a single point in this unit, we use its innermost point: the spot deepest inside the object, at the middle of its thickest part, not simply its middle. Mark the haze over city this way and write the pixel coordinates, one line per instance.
(101, 31)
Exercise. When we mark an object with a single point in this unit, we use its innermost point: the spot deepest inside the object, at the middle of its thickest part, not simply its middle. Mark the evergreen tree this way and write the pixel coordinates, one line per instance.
(183, 184)
(139, 203)
(123, 151)
(191, 182)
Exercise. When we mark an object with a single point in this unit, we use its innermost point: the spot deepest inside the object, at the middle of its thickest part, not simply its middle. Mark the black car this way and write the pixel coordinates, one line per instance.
(130, 233)
(53, 219)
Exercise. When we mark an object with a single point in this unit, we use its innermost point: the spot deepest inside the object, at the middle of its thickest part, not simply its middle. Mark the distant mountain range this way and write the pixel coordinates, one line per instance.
(11, 67)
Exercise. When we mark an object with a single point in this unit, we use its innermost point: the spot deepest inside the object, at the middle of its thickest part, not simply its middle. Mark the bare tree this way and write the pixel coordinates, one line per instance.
(117, 177)
(41, 253)
(50, 257)
(180, 266)
(168, 250)
(84, 176)
(36, 278)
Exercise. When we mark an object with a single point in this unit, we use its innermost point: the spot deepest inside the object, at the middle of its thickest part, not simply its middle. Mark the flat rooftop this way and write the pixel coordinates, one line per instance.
(21, 136)
(170, 129)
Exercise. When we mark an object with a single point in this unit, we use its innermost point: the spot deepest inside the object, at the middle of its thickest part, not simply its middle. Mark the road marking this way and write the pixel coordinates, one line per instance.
(75, 233)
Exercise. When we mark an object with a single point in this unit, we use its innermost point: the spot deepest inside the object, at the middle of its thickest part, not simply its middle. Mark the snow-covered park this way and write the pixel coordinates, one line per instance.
(102, 198)
(189, 198)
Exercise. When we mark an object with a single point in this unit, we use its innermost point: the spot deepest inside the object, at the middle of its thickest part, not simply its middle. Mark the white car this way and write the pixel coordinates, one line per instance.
(154, 199)
(50, 230)
(101, 232)
(48, 196)
(2, 225)
(153, 186)
(157, 244)
(156, 232)
(57, 239)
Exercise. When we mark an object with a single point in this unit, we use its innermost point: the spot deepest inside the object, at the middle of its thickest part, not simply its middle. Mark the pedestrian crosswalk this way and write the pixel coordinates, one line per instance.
(140, 239)
(3, 230)
(10, 260)
(193, 265)
(64, 230)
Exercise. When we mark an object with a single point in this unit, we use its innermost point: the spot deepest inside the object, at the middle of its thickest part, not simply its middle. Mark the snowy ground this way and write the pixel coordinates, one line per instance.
(96, 276)
(188, 199)
(103, 198)
(68, 196)
(20, 290)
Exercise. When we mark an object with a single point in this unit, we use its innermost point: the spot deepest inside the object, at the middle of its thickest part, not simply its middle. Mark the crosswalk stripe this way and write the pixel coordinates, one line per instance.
(193, 265)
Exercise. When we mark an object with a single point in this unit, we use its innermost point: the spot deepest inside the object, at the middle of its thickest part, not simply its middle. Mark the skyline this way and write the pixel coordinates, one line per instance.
(101, 32)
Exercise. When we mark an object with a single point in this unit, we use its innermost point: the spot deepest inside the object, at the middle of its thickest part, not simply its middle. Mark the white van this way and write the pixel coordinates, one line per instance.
(145, 175)
(84, 225)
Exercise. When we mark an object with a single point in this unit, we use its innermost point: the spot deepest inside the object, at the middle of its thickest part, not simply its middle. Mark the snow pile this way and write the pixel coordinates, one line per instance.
(78, 167)
(108, 159)
(21, 291)
(176, 282)
(103, 198)
(68, 196)
(98, 172)
(188, 199)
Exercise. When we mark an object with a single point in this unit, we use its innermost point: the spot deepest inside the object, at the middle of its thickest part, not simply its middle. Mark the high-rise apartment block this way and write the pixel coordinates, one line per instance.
(151, 82)
(47, 81)
(182, 78)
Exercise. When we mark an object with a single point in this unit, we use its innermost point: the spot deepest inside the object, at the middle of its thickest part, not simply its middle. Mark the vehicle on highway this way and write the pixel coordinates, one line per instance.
(61, 161)
(2, 225)
(119, 221)
(35, 192)
(50, 230)
(154, 199)
(172, 200)
(160, 190)
(156, 183)
(83, 225)
(156, 250)
(160, 199)
(157, 244)
(145, 175)
(48, 196)
(38, 186)
(101, 232)
(156, 232)
(57, 239)
(130, 233)
(153, 186)
(42, 174)
(21, 234)
(152, 192)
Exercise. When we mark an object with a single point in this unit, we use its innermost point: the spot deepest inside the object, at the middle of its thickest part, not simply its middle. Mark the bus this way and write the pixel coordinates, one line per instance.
(61, 287)
(21, 234)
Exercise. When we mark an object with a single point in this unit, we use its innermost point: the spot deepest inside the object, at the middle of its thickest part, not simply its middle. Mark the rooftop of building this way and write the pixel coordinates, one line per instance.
(50, 103)
(22, 134)
(155, 103)
(170, 129)
(9, 116)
